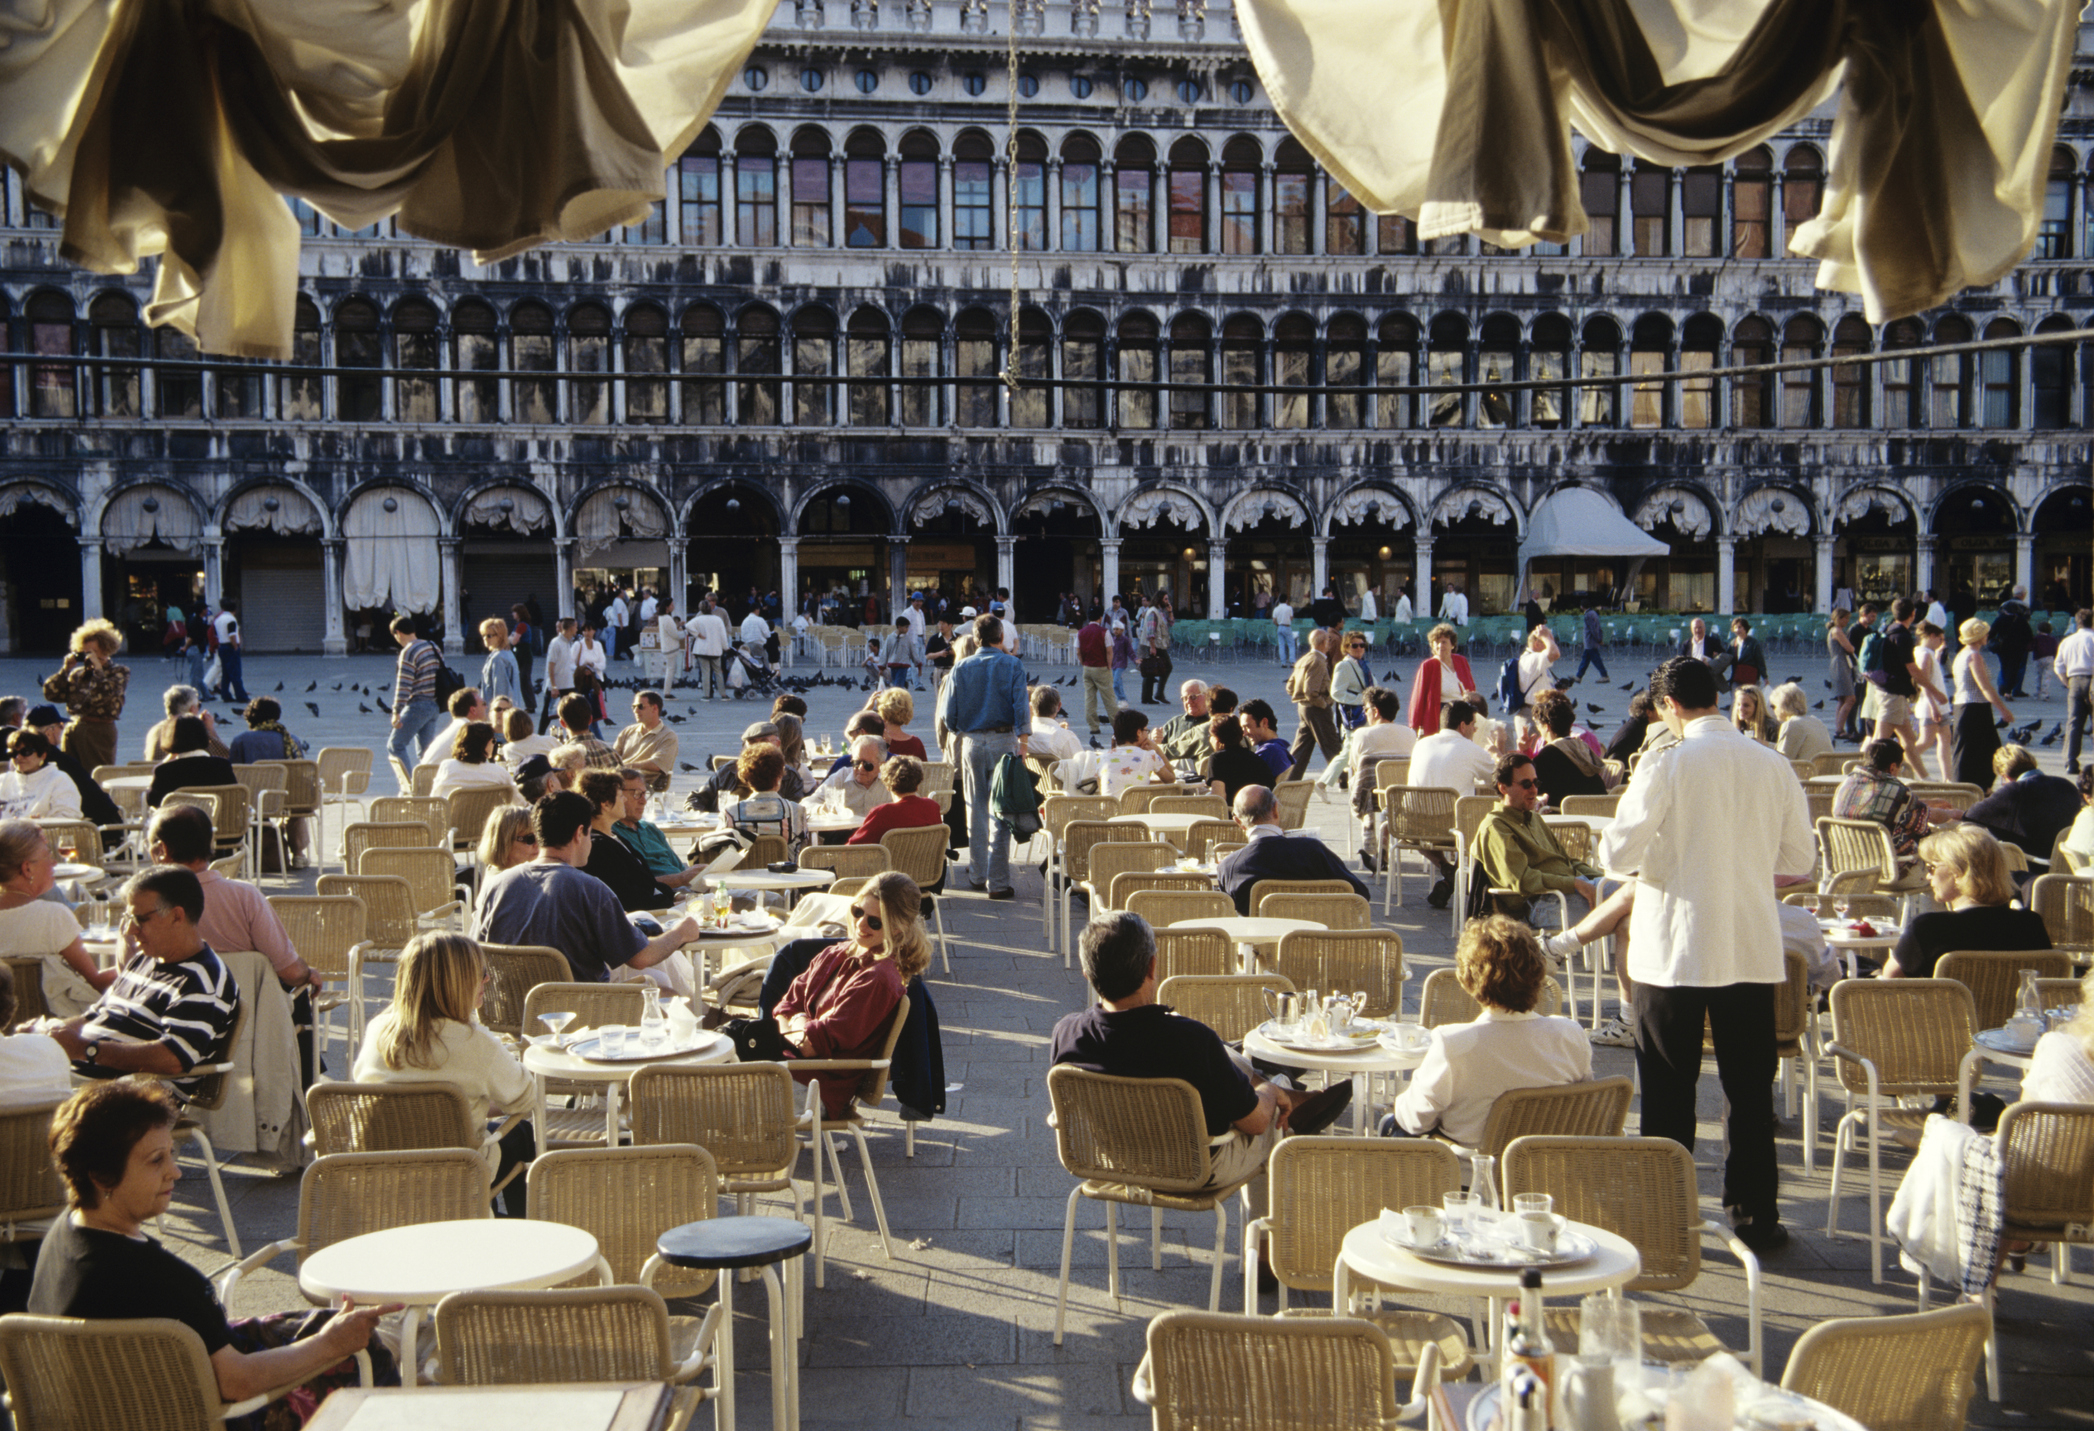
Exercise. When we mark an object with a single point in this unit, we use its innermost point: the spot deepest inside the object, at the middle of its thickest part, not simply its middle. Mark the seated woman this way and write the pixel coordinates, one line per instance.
(841, 1007)
(896, 708)
(1133, 757)
(2079, 840)
(522, 740)
(33, 1067)
(265, 737)
(1233, 764)
(34, 788)
(1749, 713)
(506, 841)
(1967, 873)
(2062, 1069)
(1802, 735)
(792, 742)
(764, 811)
(1565, 764)
(189, 763)
(114, 1145)
(903, 777)
(472, 765)
(1509, 1046)
(609, 859)
(432, 1033)
(32, 926)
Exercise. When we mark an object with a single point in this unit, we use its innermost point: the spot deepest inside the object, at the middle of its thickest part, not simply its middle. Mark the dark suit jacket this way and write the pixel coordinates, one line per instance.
(199, 767)
(1560, 777)
(1281, 857)
(2030, 812)
(1719, 658)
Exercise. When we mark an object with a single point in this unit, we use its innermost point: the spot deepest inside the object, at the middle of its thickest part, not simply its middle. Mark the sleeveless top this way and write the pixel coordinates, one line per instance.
(1967, 692)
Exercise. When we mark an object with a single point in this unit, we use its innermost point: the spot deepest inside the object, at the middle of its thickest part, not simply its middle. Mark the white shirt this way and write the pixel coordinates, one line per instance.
(1380, 742)
(438, 749)
(590, 654)
(1454, 607)
(469, 1057)
(616, 614)
(2075, 655)
(672, 631)
(228, 627)
(459, 775)
(708, 634)
(1282, 614)
(516, 752)
(1051, 738)
(46, 794)
(648, 609)
(33, 1069)
(559, 662)
(1707, 825)
(1469, 1065)
(1403, 609)
(1534, 673)
(913, 614)
(1368, 610)
(1449, 760)
(1939, 615)
(755, 630)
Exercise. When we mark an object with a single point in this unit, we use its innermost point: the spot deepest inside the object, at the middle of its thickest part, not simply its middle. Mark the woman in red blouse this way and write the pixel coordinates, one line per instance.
(896, 708)
(840, 1007)
(1442, 677)
(903, 777)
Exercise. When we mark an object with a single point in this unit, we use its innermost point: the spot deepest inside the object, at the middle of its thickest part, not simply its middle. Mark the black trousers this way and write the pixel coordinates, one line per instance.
(1668, 1058)
(518, 1145)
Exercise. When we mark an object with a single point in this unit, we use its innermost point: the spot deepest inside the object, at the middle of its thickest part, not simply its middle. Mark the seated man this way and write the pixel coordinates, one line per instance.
(1185, 735)
(581, 749)
(189, 763)
(644, 839)
(552, 902)
(1449, 759)
(173, 1003)
(1261, 730)
(908, 810)
(1383, 737)
(1129, 1035)
(536, 779)
(1051, 738)
(1273, 853)
(648, 745)
(862, 791)
(726, 785)
(2026, 807)
(465, 706)
(236, 914)
(1874, 792)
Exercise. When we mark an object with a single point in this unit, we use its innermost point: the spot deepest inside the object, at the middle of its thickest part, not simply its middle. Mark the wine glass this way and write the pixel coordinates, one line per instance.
(1841, 905)
(557, 1021)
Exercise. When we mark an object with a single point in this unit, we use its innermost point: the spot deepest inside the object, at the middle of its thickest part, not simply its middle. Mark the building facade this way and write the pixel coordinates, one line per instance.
(788, 377)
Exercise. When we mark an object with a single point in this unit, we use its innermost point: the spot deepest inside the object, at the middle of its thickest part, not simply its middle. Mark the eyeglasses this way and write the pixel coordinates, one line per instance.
(134, 921)
(21, 755)
(872, 921)
(531, 840)
(865, 765)
(1528, 784)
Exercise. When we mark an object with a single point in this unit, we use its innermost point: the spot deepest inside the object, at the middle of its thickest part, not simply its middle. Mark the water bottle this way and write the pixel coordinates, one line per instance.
(654, 1020)
(1483, 1180)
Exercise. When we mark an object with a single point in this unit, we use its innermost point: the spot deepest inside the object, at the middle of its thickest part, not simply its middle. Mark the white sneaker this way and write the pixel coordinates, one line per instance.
(1613, 1034)
(1561, 946)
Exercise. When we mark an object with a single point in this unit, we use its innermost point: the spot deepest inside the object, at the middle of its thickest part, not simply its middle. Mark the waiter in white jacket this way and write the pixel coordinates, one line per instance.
(1706, 826)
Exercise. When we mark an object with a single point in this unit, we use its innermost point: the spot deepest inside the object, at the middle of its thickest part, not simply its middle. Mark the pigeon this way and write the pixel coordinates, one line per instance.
(382, 705)
(1630, 686)
(1818, 706)
(279, 685)
(314, 709)
(1591, 707)
(2055, 731)
(362, 709)
(312, 686)
(337, 685)
(688, 768)
(1793, 681)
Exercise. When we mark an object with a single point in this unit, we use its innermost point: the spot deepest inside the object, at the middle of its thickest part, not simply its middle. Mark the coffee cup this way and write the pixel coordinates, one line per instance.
(1537, 1231)
(1427, 1225)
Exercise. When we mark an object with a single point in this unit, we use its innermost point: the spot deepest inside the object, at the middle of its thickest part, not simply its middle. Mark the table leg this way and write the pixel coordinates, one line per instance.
(538, 1112)
(785, 1391)
(723, 1355)
(404, 1350)
(611, 1090)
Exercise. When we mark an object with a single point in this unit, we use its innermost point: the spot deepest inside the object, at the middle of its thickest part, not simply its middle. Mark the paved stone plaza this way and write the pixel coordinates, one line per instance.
(956, 1331)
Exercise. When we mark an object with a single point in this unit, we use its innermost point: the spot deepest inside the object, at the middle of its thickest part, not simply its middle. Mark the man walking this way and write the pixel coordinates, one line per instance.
(1283, 629)
(1153, 638)
(1094, 654)
(708, 631)
(1903, 680)
(1595, 639)
(1705, 935)
(2074, 668)
(416, 714)
(984, 704)
(230, 686)
(561, 654)
(1309, 687)
(2010, 641)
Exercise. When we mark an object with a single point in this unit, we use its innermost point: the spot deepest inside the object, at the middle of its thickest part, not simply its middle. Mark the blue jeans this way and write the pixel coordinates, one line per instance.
(988, 850)
(196, 667)
(1286, 642)
(230, 686)
(419, 722)
(1591, 657)
(1119, 690)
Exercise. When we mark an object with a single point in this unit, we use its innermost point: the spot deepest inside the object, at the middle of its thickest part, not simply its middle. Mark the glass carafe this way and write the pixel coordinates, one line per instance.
(654, 1020)
(1483, 1180)
(2029, 1002)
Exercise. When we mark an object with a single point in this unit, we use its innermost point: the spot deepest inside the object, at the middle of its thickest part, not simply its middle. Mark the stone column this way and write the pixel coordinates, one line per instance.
(1923, 563)
(454, 628)
(782, 198)
(1319, 565)
(1726, 575)
(1422, 603)
(836, 206)
(1160, 209)
(945, 228)
(679, 554)
(789, 575)
(90, 578)
(214, 572)
(1823, 548)
(1007, 563)
(1109, 562)
(1320, 213)
(891, 200)
(563, 564)
(336, 641)
(1217, 578)
(2025, 561)
(897, 574)
(1211, 219)
(1267, 220)
(730, 207)
(1000, 200)
(1051, 182)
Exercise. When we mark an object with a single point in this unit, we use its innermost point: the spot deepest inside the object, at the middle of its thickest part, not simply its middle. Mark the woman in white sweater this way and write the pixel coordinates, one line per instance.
(472, 763)
(35, 927)
(2062, 1070)
(33, 788)
(433, 1034)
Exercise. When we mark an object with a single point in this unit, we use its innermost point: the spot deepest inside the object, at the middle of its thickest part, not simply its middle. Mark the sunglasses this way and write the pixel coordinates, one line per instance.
(865, 765)
(872, 921)
(1529, 784)
(531, 840)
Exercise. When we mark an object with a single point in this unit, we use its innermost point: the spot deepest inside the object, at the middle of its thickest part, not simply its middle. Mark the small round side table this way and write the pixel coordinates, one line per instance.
(728, 1244)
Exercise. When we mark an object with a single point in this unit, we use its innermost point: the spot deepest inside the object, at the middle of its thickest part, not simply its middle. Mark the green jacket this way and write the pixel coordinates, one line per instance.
(1184, 737)
(1519, 851)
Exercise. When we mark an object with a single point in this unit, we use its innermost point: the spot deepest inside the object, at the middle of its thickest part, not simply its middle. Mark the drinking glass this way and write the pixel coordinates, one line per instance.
(1840, 906)
(1524, 1203)
(554, 1022)
(1611, 1326)
(611, 1040)
(1460, 1208)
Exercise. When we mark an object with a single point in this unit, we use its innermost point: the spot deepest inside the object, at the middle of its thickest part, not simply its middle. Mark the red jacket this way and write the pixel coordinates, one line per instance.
(1429, 690)
(907, 813)
(1092, 648)
(850, 1002)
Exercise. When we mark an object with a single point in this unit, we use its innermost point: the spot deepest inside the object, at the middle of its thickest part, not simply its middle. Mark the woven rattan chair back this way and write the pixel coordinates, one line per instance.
(937, 776)
(872, 1085)
(1641, 1189)
(1585, 806)
(848, 861)
(1575, 839)
(1915, 1031)
(71, 1374)
(1909, 1373)
(1079, 837)
(1597, 1109)
(2066, 904)
(1321, 1188)
(1265, 889)
(627, 1198)
(344, 770)
(1389, 772)
(553, 1336)
(204, 800)
(419, 809)
(766, 850)
(1348, 961)
(83, 834)
(1142, 1132)
(389, 907)
(1847, 845)
(919, 854)
(1332, 911)
(1125, 886)
(1293, 797)
(1210, 805)
(1443, 1000)
(513, 970)
(1191, 951)
(1210, 1369)
(1136, 799)
(1422, 815)
(591, 1004)
(1059, 810)
(345, 1195)
(1993, 977)
(390, 834)
(2047, 1151)
(301, 785)
(1165, 907)
(28, 970)
(1230, 1004)
(229, 817)
(2058, 992)
(429, 874)
(1117, 858)
(30, 1188)
(322, 928)
(1833, 763)
(389, 1117)
(262, 779)
(1817, 804)
(470, 810)
(741, 1113)
(423, 781)
(1202, 836)
(1957, 795)
(1469, 811)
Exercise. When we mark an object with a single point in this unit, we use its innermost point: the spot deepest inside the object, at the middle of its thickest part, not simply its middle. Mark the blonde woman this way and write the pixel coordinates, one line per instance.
(1973, 738)
(2062, 1070)
(432, 1034)
(521, 740)
(1441, 677)
(90, 685)
(1929, 714)
(841, 1005)
(499, 676)
(1802, 735)
(896, 708)
(1839, 652)
(1749, 713)
(32, 926)
(1967, 874)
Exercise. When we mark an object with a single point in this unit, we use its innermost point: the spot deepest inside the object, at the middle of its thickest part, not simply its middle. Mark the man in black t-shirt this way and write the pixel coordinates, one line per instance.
(1903, 680)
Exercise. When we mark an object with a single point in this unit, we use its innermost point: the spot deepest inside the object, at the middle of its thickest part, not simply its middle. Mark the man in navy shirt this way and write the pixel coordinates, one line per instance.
(984, 703)
(1261, 728)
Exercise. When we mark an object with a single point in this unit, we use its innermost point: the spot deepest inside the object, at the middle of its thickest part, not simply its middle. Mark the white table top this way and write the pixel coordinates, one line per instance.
(549, 1062)
(1178, 824)
(828, 822)
(128, 782)
(688, 825)
(1371, 1059)
(1367, 1254)
(1600, 824)
(66, 871)
(1840, 936)
(428, 1261)
(761, 878)
(1250, 929)
(1992, 1047)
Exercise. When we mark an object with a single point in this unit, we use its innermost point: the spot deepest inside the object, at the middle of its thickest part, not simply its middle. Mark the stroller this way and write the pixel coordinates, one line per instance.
(748, 675)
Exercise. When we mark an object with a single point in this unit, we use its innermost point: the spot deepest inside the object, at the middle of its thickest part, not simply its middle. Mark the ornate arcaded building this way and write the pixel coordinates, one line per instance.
(645, 405)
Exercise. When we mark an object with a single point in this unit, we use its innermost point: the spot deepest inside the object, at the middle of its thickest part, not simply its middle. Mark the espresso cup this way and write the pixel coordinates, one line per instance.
(1427, 1225)
(1537, 1231)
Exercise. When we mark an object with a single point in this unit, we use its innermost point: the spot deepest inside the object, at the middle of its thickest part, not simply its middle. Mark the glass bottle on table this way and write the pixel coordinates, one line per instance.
(654, 1020)
(1527, 1347)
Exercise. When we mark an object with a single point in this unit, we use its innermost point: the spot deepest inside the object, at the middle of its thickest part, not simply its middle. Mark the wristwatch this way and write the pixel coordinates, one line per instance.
(94, 1052)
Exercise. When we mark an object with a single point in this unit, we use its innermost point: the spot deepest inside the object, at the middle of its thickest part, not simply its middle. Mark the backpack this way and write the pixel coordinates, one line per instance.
(2011, 633)
(447, 681)
(1869, 659)
(1509, 696)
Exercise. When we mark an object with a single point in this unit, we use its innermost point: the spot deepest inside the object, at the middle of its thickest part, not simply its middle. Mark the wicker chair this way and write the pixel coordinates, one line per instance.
(1165, 907)
(571, 1334)
(1443, 1000)
(1192, 951)
(302, 792)
(471, 808)
(816, 1123)
(1122, 857)
(513, 970)
(1597, 1109)
(1420, 817)
(231, 809)
(1368, 961)
(921, 855)
(1078, 838)
(422, 781)
(267, 785)
(1333, 1373)
(424, 809)
(399, 1117)
(345, 776)
(1141, 1141)
(1212, 805)
(1589, 805)
(592, 1005)
(31, 1192)
(1132, 882)
(741, 1113)
(1202, 836)
(2066, 903)
(68, 1372)
(1847, 846)
(1891, 1039)
(1230, 1004)
(391, 834)
(1994, 977)
(1332, 911)
(82, 833)
(1911, 1373)
(848, 861)
(1056, 813)
(207, 1095)
(389, 925)
(328, 933)
(1322, 1188)
(1136, 799)
(28, 970)
(766, 850)
(1293, 797)
(626, 1198)
(1642, 1190)
(2047, 1156)
(1834, 763)
(430, 876)
(1265, 888)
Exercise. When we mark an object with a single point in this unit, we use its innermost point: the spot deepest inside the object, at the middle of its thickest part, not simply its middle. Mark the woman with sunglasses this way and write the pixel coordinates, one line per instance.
(1350, 679)
(33, 788)
(842, 1005)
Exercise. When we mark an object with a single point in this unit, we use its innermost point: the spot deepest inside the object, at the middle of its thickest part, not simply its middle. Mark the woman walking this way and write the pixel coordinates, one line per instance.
(1839, 654)
(1973, 738)
(90, 685)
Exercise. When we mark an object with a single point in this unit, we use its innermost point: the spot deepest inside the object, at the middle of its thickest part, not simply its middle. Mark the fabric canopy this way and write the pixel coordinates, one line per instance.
(1579, 522)
(391, 561)
(1457, 113)
(139, 516)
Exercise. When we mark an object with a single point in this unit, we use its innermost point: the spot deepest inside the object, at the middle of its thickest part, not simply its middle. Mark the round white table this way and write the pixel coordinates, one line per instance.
(423, 1263)
(791, 881)
(826, 822)
(128, 782)
(1251, 931)
(1172, 827)
(67, 872)
(545, 1063)
(1600, 824)
(1361, 1062)
(1848, 941)
(1992, 1046)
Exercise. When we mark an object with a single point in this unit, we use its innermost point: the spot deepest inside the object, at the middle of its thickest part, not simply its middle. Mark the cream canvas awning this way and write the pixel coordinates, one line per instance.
(1579, 522)
(391, 560)
(139, 516)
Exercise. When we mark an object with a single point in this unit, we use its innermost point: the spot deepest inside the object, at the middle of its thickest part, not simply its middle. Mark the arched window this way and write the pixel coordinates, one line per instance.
(1600, 189)
(1239, 196)
(1650, 207)
(588, 351)
(1949, 406)
(1241, 336)
(923, 336)
(298, 395)
(1396, 366)
(1751, 395)
(475, 349)
(814, 356)
(919, 196)
(1599, 356)
(1701, 208)
(654, 229)
(810, 180)
(1802, 188)
(2054, 238)
(1191, 365)
(415, 344)
(1344, 366)
(865, 190)
(1497, 361)
(1080, 194)
(1650, 348)
(1293, 190)
(1446, 366)
(1850, 383)
(1188, 194)
(703, 359)
(357, 345)
(974, 357)
(646, 364)
(1344, 223)
(973, 198)
(2001, 368)
(1900, 380)
(1032, 406)
(1701, 339)
(2050, 375)
(756, 354)
(698, 191)
(1294, 366)
(1751, 202)
(181, 390)
(1083, 361)
(1029, 191)
(756, 189)
(1802, 338)
(1137, 366)
(1548, 360)
(52, 389)
(1134, 196)
(112, 333)
(865, 353)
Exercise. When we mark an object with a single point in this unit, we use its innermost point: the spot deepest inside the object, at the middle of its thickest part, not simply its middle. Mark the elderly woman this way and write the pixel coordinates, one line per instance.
(90, 685)
(1973, 738)
(903, 777)
(33, 927)
(1802, 736)
(432, 1033)
(181, 701)
(842, 1005)
(1441, 677)
(499, 675)
(609, 858)
(1750, 716)
(896, 709)
(764, 811)
(471, 764)
(1509, 1046)
(1967, 873)
(265, 737)
(33, 788)
(114, 1146)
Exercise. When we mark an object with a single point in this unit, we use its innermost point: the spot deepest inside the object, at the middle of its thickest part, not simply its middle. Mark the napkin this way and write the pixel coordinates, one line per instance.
(683, 1024)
